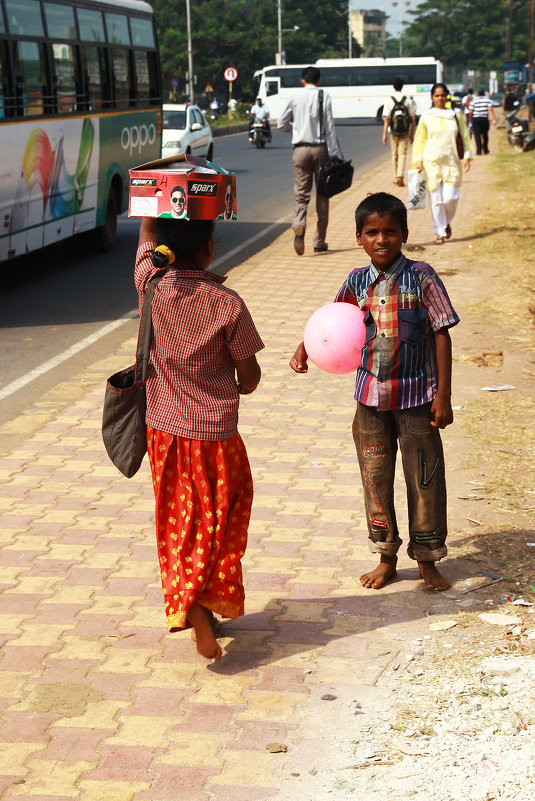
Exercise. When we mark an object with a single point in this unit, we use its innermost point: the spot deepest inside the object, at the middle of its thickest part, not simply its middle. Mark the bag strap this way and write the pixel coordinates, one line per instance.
(320, 101)
(145, 331)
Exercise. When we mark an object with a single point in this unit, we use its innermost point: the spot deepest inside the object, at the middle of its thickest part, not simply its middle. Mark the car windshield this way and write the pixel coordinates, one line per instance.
(174, 119)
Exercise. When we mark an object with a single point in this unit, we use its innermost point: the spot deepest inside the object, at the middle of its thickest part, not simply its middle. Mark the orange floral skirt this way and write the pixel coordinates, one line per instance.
(204, 494)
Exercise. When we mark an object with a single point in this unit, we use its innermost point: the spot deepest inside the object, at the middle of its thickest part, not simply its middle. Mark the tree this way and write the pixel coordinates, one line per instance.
(243, 34)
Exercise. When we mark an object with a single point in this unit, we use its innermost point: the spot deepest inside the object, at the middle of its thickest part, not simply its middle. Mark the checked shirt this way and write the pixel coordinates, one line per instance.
(403, 308)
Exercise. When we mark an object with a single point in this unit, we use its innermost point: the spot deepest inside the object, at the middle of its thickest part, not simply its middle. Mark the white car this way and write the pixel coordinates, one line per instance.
(185, 130)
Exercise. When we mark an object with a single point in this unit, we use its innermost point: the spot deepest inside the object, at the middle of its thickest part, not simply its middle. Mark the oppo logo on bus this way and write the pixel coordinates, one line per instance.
(137, 136)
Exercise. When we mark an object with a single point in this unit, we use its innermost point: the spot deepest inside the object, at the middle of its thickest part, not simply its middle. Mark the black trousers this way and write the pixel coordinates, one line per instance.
(480, 127)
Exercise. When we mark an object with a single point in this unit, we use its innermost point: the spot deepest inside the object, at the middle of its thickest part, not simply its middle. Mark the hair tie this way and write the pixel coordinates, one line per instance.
(166, 252)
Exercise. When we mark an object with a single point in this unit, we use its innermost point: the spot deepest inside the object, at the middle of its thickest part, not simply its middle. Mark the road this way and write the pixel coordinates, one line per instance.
(57, 306)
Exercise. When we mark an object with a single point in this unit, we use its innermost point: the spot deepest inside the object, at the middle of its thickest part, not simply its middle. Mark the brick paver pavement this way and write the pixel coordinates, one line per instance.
(100, 703)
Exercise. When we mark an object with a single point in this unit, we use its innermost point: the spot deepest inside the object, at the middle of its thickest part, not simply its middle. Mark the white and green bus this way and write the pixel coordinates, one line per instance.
(80, 103)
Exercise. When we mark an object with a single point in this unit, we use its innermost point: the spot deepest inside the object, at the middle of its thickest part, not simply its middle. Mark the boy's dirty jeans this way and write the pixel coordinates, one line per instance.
(376, 436)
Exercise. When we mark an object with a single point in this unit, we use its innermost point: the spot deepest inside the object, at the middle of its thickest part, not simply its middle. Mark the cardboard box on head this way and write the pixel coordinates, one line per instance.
(182, 187)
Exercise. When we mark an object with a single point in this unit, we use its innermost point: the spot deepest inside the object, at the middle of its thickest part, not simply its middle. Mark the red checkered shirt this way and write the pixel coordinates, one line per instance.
(199, 329)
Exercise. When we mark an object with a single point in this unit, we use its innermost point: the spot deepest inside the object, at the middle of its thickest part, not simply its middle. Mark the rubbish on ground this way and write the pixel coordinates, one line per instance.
(476, 582)
(499, 618)
(276, 748)
(498, 387)
(329, 697)
(522, 602)
(473, 496)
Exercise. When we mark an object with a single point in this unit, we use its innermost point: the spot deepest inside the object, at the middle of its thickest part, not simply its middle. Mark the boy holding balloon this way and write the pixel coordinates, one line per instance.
(403, 387)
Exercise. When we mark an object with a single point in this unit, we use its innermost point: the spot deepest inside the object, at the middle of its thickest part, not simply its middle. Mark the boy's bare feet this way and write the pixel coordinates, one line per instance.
(433, 580)
(381, 575)
(203, 623)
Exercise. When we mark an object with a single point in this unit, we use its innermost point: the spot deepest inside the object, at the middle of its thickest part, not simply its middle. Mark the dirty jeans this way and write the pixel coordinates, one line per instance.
(376, 435)
(398, 147)
(306, 162)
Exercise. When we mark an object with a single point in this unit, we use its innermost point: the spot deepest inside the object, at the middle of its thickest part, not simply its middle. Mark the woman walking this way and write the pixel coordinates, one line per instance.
(435, 151)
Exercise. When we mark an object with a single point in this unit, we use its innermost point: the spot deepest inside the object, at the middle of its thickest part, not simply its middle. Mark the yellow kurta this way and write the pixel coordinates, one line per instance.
(434, 145)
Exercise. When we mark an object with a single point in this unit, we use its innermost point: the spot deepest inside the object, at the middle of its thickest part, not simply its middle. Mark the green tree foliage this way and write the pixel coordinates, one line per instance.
(469, 34)
(243, 34)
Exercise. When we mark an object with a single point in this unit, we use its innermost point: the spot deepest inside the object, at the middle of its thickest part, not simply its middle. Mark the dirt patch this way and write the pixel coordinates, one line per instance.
(66, 699)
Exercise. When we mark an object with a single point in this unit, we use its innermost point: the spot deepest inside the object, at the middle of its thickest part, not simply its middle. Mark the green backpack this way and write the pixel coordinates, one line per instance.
(400, 120)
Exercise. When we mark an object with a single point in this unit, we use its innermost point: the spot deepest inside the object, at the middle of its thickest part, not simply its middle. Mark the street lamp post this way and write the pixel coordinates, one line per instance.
(282, 30)
(190, 54)
(401, 3)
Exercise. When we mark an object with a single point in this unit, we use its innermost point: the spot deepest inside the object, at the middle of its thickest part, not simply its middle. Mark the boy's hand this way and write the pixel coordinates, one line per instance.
(298, 362)
(442, 413)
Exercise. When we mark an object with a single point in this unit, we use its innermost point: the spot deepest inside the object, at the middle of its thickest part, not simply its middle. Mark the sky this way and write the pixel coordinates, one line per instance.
(393, 23)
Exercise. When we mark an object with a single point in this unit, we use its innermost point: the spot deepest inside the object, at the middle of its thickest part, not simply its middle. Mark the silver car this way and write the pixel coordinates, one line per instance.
(185, 130)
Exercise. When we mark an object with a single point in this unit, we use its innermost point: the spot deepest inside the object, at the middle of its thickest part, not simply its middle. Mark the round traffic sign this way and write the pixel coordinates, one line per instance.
(231, 73)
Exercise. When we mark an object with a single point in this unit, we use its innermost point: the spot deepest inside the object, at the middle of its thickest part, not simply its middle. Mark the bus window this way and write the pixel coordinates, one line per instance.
(121, 82)
(117, 27)
(30, 77)
(142, 33)
(146, 78)
(64, 77)
(272, 87)
(60, 21)
(91, 25)
(96, 83)
(24, 17)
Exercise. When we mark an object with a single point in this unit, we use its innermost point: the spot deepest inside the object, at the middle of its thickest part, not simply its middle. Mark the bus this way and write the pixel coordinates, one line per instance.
(80, 103)
(358, 86)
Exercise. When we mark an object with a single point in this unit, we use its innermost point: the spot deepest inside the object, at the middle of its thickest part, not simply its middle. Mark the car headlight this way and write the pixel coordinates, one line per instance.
(174, 145)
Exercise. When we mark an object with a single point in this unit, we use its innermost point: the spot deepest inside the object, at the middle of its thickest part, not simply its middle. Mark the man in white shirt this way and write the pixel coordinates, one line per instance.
(313, 142)
(399, 140)
(259, 112)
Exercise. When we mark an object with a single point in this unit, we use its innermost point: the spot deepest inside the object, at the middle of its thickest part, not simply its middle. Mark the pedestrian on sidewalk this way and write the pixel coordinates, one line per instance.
(309, 118)
(480, 110)
(435, 151)
(203, 337)
(399, 116)
(403, 390)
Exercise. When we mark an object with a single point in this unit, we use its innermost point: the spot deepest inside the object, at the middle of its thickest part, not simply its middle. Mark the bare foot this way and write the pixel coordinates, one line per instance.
(213, 623)
(381, 575)
(433, 580)
(201, 620)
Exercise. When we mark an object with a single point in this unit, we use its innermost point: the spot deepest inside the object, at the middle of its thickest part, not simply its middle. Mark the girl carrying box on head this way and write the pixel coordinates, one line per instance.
(202, 358)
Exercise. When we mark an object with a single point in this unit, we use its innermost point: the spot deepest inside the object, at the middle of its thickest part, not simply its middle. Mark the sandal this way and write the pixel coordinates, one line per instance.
(440, 240)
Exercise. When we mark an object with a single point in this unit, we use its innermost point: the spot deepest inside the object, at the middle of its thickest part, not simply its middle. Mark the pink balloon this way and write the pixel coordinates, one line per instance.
(334, 336)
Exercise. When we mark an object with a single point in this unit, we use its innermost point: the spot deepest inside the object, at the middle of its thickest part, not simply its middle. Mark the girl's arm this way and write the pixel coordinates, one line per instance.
(441, 406)
(249, 373)
(298, 362)
(147, 230)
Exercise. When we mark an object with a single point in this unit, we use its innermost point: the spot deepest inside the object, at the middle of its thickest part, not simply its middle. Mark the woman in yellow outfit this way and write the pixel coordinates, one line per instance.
(435, 151)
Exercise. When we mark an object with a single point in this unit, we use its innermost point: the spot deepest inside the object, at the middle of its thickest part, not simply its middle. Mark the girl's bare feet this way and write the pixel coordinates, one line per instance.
(381, 575)
(433, 580)
(203, 622)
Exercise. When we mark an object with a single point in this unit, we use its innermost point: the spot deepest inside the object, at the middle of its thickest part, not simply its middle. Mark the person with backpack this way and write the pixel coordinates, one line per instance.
(399, 114)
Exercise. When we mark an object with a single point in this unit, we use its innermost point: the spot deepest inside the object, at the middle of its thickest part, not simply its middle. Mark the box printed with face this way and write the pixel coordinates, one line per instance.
(182, 187)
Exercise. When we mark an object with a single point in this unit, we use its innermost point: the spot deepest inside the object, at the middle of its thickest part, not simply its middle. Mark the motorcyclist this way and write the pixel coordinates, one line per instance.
(260, 112)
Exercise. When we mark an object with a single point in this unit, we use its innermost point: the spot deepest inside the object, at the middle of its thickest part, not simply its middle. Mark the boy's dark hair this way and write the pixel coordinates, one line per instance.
(397, 83)
(381, 203)
(185, 238)
(311, 75)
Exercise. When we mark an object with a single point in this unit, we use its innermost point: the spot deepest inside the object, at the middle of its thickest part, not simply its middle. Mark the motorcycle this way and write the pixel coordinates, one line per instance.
(259, 133)
(517, 130)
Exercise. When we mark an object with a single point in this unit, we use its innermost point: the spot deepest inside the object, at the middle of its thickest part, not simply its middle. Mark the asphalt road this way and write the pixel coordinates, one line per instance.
(55, 304)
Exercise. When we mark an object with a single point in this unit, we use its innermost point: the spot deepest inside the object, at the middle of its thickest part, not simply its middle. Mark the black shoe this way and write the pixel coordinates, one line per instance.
(299, 240)
(321, 248)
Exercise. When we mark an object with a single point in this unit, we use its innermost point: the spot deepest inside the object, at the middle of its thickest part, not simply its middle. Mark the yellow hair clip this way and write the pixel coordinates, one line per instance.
(166, 252)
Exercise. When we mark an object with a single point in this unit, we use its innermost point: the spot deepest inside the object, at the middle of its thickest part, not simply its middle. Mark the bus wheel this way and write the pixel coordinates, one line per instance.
(105, 235)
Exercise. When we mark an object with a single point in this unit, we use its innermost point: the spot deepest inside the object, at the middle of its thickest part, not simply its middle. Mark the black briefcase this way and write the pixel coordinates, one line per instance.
(336, 175)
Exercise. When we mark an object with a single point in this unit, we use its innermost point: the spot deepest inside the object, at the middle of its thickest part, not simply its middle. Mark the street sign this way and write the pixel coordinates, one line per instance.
(174, 82)
(208, 89)
(231, 73)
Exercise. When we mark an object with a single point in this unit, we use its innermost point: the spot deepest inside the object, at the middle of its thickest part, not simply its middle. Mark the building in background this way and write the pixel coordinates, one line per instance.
(366, 22)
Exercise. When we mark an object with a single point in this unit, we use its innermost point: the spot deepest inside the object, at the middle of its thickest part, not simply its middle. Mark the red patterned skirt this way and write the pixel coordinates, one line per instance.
(204, 494)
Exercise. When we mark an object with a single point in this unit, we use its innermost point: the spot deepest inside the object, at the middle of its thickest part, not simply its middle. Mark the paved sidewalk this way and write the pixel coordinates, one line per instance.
(100, 702)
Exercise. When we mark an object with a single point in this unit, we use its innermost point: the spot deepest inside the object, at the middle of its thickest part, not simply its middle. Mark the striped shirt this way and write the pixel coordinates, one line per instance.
(479, 105)
(402, 308)
(199, 329)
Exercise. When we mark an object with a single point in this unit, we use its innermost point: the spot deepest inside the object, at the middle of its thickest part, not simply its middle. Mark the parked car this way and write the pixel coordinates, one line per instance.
(185, 130)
